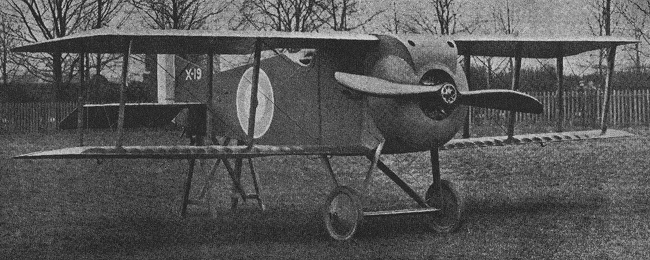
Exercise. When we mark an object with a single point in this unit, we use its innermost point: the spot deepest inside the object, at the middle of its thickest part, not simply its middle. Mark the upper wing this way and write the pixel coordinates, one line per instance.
(534, 47)
(194, 41)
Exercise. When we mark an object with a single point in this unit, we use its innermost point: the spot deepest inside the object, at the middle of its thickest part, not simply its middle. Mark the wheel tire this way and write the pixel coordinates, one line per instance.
(342, 213)
(450, 218)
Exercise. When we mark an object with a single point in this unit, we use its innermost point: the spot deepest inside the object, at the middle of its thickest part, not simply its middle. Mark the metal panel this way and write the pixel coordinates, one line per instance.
(342, 112)
(295, 117)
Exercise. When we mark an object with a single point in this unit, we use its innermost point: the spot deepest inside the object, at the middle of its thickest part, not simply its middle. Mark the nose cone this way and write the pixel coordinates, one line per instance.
(407, 128)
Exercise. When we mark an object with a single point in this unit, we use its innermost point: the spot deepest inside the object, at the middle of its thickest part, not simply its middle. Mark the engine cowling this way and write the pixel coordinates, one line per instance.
(422, 122)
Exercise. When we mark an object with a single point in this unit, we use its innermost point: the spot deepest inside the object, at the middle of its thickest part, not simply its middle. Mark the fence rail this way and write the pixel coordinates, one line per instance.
(582, 108)
(31, 117)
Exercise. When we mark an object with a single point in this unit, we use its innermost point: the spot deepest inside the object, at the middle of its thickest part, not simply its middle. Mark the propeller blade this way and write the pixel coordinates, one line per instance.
(381, 88)
(501, 99)
(491, 98)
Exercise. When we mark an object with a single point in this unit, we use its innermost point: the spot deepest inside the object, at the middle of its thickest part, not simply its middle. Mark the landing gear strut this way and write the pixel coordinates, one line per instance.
(442, 204)
(442, 195)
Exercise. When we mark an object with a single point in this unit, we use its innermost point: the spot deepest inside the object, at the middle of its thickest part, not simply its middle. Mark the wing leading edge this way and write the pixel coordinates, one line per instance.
(109, 40)
(192, 152)
(535, 47)
(218, 151)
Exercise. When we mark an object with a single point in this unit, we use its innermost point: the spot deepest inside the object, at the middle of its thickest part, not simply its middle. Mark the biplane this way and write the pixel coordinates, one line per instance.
(356, 95)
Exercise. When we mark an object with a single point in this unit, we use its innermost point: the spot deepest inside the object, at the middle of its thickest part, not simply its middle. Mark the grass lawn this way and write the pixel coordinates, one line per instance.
(583, 199)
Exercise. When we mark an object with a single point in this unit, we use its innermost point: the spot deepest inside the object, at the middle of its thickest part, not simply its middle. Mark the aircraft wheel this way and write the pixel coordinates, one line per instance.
(449, 218)
(342, 213)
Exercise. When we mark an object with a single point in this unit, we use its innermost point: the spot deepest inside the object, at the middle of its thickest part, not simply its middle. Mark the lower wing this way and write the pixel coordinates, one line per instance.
(533, 138)
(192, 152)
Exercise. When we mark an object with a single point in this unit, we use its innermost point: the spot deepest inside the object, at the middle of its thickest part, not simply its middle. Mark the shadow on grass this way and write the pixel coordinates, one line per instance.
(533, 205)
(292, 225)
(537, 210)
(128, 234)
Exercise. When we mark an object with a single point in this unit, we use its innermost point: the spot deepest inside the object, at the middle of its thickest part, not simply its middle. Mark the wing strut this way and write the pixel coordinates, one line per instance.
(559, 67)
(125, 74)
(80, 98)
(254, 86)
(208, 105)
(467, 60)
(611, 58)
(516, 74)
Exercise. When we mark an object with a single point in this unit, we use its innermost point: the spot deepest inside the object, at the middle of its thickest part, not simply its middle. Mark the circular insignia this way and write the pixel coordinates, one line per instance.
(264, 111)
(449, 93)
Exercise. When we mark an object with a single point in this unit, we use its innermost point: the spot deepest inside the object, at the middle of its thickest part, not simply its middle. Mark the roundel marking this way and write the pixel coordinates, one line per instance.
(264, 111)
(449, 93)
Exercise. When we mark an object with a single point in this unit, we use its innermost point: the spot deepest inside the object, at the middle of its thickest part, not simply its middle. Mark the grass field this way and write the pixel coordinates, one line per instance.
(587, 199)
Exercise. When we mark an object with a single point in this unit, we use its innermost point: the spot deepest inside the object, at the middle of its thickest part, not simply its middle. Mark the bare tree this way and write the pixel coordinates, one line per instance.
(283, 15)
(504, 20)
(442, 18)
(49, 19)
(180, 14)
(9, 61)
(600, 24)
(105, 11)
(338, 15)
(395, 21)
(504, 23)
(446, 15)
(636, 14)
(304, 15)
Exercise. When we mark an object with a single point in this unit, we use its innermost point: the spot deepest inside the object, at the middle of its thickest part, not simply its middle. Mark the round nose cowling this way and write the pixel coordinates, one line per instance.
(403, 121)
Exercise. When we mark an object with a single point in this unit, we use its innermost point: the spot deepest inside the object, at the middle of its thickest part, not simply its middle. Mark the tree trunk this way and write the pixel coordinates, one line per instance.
(98, 66)
(57, 74)
(4, 67)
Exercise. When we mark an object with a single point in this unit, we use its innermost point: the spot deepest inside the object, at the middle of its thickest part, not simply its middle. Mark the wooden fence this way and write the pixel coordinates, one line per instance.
(582, 108)
(31, 117)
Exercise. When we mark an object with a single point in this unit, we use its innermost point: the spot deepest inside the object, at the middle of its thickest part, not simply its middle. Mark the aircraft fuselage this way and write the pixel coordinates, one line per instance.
(303, 104)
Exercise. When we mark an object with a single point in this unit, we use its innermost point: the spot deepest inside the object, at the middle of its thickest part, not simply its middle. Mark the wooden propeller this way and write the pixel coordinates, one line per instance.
(502, 99)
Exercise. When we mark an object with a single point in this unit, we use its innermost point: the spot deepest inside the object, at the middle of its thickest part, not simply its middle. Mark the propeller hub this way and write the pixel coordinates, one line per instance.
(449, 93)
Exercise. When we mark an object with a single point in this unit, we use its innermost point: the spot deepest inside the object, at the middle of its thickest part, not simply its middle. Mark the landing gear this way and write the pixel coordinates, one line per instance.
(235, 173)
(442, 205)
(449, 218)
(342, 213)
(442, 195)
